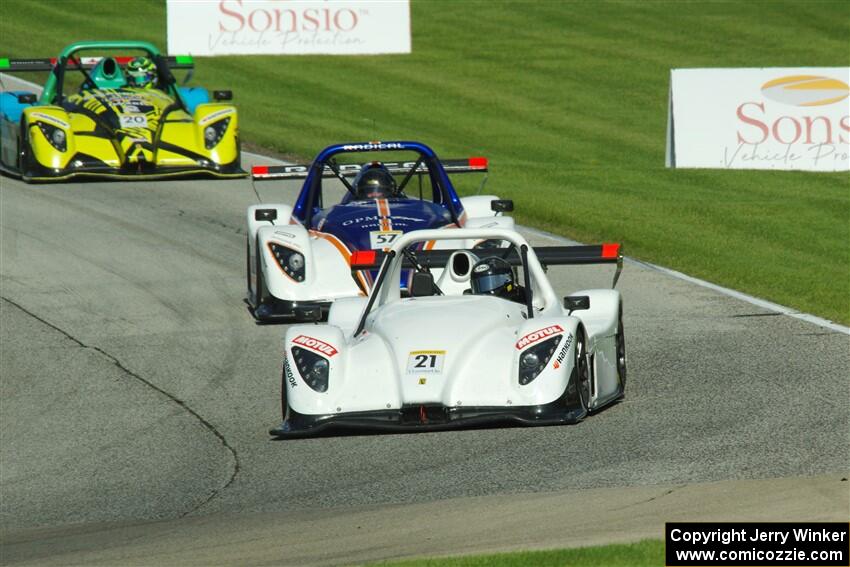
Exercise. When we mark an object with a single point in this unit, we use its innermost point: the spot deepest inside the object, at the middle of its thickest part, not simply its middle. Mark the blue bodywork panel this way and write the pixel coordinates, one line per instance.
(353, 221)
(193, 96)
(10, 108)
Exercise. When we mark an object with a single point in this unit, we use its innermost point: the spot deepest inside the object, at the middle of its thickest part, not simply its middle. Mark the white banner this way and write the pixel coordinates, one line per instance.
(288, 27)
(771, 118)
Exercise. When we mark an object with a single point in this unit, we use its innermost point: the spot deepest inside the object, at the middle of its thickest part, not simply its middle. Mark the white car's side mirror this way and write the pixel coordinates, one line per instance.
(576, 303)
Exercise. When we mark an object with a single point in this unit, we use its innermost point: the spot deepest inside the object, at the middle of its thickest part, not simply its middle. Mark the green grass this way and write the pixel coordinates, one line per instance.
(648, 553)
(569, 102)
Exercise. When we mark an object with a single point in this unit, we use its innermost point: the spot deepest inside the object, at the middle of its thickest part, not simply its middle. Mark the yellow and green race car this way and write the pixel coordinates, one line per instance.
(115, 116)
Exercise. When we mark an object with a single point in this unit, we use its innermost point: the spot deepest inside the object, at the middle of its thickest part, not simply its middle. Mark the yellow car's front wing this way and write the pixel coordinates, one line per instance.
(175, 147)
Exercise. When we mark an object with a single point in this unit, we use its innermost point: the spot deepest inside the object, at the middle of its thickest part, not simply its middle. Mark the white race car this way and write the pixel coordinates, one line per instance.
(479, 345)
(298, 256)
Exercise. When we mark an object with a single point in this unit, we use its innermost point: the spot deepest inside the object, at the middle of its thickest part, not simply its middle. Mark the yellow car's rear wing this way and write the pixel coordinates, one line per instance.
(24, 65)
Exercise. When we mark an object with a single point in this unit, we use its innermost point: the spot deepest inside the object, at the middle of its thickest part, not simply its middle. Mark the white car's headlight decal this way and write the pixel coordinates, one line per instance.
(312, 368)
(534, 359)
(289, 260)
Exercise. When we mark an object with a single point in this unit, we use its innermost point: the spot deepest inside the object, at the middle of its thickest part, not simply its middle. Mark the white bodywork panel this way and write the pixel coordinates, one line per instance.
(600, 322)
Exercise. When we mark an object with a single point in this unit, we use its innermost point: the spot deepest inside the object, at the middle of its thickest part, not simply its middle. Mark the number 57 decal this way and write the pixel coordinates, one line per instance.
(425, 361)
(383, 238)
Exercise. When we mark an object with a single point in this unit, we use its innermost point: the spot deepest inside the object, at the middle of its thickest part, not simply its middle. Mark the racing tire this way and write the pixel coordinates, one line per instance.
(259, 294)
(24, 150)
(248, 266)
(284, 402)
(582, 372)
(620, 345)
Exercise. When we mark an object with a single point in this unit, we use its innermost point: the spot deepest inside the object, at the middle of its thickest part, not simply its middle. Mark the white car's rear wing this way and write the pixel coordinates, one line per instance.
(608, 253)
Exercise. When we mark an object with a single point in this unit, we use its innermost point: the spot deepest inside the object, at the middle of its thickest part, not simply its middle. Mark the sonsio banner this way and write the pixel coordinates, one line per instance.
(286, 27)
(771, 118)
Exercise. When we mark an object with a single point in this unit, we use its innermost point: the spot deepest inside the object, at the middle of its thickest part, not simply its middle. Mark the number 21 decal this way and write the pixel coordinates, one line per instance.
(425, 361)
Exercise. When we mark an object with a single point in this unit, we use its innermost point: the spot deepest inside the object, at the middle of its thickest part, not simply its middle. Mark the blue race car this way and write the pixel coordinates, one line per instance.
(302, 258)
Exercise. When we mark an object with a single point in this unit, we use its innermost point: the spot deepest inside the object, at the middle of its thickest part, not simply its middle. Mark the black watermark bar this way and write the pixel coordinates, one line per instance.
(807, 544)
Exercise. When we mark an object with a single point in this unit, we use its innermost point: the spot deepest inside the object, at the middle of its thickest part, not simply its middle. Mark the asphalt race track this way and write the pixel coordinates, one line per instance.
(137, 392)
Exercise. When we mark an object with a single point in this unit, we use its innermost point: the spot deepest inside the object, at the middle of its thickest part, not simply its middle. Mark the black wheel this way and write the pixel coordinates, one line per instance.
(259, 290)
(248, 265)
(23, 149)
(621, 352)
(582, 372)
(284, 403)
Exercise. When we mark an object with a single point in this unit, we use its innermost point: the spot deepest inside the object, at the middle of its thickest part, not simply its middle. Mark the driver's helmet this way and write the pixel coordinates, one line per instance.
(493, 276)
(141, 73)
(374, 182)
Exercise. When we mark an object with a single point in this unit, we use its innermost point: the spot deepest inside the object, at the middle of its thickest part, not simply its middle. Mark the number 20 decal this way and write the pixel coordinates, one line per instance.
(134, 121)
(425, 361)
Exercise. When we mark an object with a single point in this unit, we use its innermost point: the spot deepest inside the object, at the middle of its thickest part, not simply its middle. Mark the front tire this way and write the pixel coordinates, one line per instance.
(284, 402)
(248, 266)
(582, 372)
(259, 291)
(24, 150)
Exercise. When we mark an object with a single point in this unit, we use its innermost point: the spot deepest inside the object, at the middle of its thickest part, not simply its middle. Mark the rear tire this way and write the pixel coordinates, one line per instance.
(620, 345)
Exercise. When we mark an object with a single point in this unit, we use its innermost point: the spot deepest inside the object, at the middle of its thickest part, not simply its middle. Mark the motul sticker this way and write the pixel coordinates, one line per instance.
(539, 335)
(315, 344)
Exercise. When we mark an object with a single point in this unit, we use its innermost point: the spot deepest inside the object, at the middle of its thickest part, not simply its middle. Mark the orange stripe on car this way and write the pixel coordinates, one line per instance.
(384, 214)
(346, 255)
